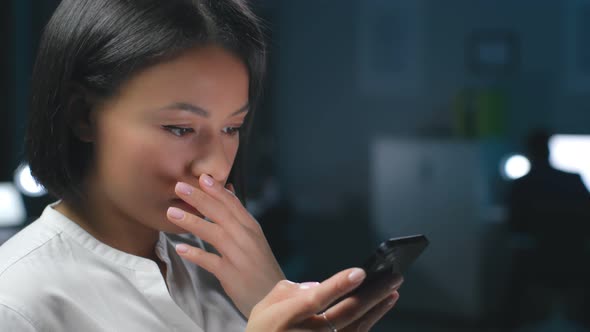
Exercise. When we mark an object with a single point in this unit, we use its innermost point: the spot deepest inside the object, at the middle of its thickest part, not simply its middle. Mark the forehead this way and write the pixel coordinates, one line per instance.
(209, 77)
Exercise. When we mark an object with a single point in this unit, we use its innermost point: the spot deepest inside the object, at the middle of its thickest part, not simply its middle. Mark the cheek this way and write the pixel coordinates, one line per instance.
(231, 150)
(138, 163)
(156, 166)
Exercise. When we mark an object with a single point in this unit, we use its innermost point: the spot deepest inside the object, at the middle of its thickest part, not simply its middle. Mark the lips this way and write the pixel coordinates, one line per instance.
(179, 203)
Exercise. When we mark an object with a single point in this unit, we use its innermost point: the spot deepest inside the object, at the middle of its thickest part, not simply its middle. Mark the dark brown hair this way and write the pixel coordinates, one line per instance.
(91, 47)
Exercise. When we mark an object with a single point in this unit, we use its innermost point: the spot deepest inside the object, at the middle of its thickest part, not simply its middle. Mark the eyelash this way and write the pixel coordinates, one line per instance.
(182, 131)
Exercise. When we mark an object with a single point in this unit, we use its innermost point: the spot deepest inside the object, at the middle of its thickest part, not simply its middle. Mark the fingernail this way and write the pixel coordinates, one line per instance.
(308, 285)
(208, 180)
(182, 248)
(357, 275)
(175, 213)
(184, 188)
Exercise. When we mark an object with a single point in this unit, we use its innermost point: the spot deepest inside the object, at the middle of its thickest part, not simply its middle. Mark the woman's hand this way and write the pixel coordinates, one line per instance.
(295, 307)
(246, 266)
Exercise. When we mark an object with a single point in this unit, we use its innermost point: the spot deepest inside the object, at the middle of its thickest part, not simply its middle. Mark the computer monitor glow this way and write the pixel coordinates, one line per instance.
(514, 167)
(26, 183)
(12, 207)
(571, 153)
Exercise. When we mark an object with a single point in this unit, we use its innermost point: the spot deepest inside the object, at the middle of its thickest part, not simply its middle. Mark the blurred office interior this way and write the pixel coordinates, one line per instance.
(385, 118)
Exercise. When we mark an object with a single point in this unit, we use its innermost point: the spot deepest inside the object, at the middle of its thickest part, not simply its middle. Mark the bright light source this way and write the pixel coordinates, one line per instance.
(515, 166)
(571, 153)
(12, 207)
(26, 183)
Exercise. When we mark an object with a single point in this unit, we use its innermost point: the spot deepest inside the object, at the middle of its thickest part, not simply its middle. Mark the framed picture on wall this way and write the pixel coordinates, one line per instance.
(492, 52)
(389, 44)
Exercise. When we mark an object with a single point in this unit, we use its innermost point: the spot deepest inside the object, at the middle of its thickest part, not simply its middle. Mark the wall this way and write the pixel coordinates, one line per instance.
(324, 123)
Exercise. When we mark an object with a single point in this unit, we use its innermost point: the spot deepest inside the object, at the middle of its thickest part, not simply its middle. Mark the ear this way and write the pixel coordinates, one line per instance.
(82, 119)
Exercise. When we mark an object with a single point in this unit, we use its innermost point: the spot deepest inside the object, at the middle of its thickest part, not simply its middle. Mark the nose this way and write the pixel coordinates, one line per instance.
(217, 162)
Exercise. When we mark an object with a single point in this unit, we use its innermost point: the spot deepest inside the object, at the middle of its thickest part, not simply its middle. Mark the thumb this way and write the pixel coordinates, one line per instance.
(306, 304)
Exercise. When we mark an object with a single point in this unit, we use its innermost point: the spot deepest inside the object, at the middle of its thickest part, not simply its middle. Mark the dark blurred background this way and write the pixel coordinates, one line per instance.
(385, 118)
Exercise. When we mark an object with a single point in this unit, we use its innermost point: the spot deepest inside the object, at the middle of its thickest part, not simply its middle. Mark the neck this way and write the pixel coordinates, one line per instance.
(108, 224)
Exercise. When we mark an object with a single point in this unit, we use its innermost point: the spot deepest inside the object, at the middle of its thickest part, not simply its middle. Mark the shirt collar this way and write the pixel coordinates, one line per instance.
(60, 222)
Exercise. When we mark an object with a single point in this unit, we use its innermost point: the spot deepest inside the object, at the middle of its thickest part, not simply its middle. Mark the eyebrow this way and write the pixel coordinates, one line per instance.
(199, 110)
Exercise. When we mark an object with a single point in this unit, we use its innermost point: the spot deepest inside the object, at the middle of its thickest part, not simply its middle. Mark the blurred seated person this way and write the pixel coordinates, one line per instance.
(548, 212)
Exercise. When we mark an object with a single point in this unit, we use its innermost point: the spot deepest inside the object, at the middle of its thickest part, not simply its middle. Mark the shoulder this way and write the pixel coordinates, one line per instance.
(30, 241)
(571, 182)
(26, 272)
(570, 176)
(34, 269)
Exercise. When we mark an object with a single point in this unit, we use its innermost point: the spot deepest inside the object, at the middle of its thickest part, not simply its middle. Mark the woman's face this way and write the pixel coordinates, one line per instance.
(170, 123)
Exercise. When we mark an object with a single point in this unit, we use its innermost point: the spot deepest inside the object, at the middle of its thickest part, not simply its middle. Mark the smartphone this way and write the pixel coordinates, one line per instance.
(393, 257)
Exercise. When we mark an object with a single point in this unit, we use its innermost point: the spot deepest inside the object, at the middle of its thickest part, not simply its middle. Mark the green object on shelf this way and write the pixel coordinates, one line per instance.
(480, 113)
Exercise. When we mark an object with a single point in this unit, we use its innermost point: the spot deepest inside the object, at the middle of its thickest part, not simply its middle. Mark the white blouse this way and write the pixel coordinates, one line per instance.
(54, 276)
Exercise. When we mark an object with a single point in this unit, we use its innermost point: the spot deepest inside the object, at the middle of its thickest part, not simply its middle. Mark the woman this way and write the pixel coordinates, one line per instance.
(135, 125)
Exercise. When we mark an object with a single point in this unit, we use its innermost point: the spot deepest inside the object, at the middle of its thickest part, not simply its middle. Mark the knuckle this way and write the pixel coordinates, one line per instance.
(221, 236)
(189, 220)
(257, 307)
(252, 233)
(198, 196)
(312, 300)
(355, 302)
(228, 217)
(216, 263)
(284, 285)
(256, 227)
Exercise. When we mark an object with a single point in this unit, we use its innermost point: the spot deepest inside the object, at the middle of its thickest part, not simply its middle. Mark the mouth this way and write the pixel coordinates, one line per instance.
(179, 203)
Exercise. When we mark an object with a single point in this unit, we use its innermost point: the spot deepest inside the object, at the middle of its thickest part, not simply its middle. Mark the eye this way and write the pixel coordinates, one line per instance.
(178, 131)
(232, 131)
